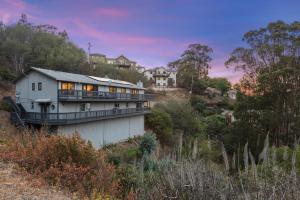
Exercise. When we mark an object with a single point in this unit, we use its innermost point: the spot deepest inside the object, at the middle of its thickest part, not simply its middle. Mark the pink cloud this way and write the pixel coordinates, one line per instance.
(111, 12)
(116, 38)
(12, 9)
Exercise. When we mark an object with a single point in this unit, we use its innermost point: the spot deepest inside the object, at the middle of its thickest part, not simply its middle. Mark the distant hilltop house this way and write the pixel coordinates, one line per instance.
(210, 91)
(232, 94)
(101, 110)
(121, 62)
(161, 77)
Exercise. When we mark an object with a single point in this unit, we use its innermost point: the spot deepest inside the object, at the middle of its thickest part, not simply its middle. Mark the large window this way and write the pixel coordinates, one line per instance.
(89, 87)
(123, 90)
(134, 91)
(67, 86)
(112, 89)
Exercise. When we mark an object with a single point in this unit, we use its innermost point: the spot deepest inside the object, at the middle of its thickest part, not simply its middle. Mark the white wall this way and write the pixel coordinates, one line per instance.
(106, 131)
(26, 95)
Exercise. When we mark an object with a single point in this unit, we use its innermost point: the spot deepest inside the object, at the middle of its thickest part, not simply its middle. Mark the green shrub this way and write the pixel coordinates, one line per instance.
(147, 144)
(161, 124)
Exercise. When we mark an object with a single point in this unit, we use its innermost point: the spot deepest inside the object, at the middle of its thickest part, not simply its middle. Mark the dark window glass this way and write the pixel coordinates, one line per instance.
(82, 107)
(40, 86)
(33, 86)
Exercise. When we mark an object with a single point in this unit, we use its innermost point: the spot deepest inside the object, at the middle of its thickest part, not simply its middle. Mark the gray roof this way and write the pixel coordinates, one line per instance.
(79, 78)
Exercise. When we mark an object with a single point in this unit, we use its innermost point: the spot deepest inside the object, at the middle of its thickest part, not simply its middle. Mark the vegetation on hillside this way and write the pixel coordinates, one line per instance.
(24, 45)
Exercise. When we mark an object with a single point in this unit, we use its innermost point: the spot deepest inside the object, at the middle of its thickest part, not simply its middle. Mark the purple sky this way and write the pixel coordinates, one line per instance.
(154, 32)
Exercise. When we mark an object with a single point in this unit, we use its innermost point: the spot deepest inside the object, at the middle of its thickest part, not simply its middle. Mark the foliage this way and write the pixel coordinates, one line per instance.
(272, 78)
(216, 126)
(69, 162)
(24, 45)
(221, 84)
(198, 103)
(199, 86)
(183, 117)
(161, 124)
(113, 72)
(193, 64)
(147, 144)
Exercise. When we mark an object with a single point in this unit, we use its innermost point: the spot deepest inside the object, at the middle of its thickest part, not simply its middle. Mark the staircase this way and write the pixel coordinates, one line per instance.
(17, 111)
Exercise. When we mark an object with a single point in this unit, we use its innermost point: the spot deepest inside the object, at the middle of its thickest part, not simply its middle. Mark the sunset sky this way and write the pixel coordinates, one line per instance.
(154, 32)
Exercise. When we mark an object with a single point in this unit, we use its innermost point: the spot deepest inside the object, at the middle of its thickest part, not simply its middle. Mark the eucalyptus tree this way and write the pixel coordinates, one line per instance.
(271, 64)
(194, 63)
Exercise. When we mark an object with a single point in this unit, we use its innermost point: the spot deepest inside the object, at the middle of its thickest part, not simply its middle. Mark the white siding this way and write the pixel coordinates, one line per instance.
(26, 95)
(107, 131)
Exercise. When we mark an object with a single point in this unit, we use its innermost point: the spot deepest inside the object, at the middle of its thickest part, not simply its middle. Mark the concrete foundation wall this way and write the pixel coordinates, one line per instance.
(106, 131)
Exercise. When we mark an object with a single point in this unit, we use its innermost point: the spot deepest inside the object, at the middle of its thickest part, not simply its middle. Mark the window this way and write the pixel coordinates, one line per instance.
(123, 90)
(134, 91)
(33, 86)
(67, 86)
(164, 79)
(89, 87)
(112, 89)
(39, 86)
(127, 105)
(138, 105)
(117, 105)
(32, 105)
(82, 107)
(52, 107)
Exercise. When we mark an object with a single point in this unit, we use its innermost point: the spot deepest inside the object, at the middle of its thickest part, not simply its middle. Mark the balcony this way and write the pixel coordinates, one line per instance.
(80, 117)
(81, 95)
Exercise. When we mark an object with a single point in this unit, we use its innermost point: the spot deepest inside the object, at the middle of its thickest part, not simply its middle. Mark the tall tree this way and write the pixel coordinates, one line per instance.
(193, 64)
(271, 64)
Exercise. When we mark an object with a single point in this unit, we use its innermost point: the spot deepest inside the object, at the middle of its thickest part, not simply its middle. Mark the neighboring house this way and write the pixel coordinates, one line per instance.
(97, 58)
(212, 92)
(140, 69)
(121, 62)
(232, 94)
(161, 77)
(101, 110)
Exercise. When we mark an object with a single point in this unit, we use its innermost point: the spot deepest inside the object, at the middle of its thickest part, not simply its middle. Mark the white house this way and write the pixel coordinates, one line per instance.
(101, 110)
(161, 77)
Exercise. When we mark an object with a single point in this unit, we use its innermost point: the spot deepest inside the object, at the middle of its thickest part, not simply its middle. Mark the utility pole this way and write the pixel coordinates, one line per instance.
(89, 51)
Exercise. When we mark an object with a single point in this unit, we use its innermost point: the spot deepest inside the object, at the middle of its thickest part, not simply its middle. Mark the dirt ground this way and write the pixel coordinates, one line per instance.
(14, 186)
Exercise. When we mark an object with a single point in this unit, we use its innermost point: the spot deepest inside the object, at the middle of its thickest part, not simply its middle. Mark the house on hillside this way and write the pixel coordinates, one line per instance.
(161, 77)
(101, 110)
(232, 94)
(212, 92)
(121, 62)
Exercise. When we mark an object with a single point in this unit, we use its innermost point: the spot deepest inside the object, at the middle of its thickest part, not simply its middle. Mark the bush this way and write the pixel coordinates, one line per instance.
(147, 144)
(161, 124)
(69, 162)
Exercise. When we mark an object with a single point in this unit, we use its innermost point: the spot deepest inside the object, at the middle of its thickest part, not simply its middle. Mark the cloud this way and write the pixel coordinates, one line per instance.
(12, 9)
(111, 12)
(116, 38)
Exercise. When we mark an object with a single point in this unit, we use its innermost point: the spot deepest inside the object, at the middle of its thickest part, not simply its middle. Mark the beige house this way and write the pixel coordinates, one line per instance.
(121, 61)
(161, 77)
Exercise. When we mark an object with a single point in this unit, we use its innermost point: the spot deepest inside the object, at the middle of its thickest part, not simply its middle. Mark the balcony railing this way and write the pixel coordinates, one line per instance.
(100, 95)
(79, 117)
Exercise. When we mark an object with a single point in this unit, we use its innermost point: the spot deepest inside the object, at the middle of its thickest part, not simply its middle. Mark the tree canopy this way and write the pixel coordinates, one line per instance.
(271, 64)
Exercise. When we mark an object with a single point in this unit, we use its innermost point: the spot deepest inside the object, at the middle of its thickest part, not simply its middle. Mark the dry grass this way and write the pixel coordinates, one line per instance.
(16, 185)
